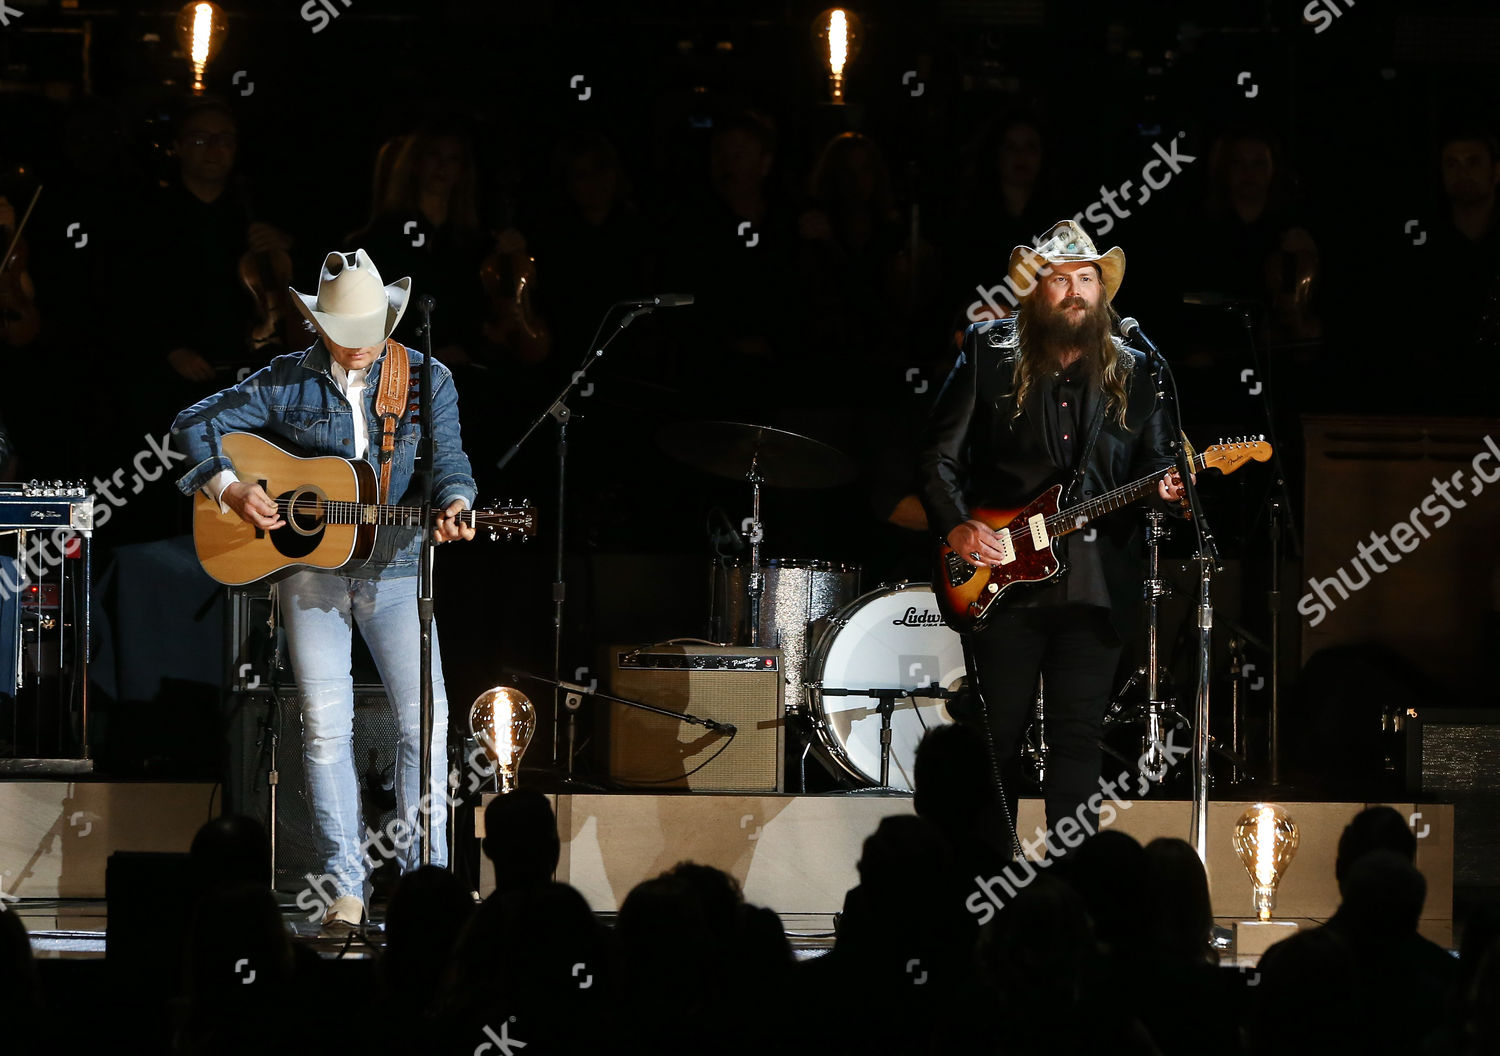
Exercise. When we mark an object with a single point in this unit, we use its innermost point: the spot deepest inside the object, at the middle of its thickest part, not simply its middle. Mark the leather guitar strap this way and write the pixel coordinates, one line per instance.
(390, 405)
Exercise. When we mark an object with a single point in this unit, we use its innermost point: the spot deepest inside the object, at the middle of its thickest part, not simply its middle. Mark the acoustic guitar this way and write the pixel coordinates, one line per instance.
(331, 512)
(966, 595)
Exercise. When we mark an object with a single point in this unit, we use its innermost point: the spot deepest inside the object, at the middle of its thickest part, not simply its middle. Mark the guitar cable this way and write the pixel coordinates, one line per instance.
(989, 745)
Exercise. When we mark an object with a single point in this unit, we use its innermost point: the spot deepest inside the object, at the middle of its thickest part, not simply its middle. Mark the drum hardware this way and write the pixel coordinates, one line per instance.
(760, 455)
(1158, 713)
(887, 698)
(1036, 749)
(777, 458)
(1156, 761)
(800, 597)
(882, 633)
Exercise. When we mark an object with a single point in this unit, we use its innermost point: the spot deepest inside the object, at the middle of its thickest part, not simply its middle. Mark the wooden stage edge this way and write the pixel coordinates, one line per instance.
(797, 854)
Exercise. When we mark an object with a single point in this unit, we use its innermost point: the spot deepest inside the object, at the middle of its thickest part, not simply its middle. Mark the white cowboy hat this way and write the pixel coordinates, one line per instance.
(1064, 244)
(353, 307)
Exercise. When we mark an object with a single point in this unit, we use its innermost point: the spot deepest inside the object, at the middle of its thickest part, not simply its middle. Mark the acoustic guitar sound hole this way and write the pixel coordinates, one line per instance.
(304, 526)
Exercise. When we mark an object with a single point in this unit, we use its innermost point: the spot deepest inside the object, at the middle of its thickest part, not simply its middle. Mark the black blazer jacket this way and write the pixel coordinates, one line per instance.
(976, 452)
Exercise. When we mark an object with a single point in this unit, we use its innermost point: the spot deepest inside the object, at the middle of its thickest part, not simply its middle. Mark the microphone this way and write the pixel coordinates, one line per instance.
(426, 303)
(1131, 330)
(1215, 299)
(661, 300)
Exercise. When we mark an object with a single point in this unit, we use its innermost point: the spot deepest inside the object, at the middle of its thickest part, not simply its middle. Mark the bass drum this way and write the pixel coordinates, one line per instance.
(891, 638)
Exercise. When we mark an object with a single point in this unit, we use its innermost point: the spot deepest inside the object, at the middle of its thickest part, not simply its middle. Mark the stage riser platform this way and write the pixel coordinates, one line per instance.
(797, 854)
(57, 836)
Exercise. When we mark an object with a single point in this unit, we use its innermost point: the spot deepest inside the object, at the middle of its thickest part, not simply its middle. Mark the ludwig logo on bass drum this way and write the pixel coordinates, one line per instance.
(912, 618)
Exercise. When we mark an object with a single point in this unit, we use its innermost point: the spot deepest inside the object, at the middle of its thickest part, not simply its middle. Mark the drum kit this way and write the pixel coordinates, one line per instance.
(866, 675)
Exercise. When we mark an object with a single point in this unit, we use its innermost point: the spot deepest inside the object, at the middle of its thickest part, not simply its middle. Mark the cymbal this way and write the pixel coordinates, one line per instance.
(782, 459)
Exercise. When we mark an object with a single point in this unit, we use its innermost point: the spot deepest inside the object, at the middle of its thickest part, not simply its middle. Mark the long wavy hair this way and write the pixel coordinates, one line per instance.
(1103, 361)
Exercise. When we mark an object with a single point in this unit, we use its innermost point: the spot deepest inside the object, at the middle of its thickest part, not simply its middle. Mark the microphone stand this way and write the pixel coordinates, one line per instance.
(1282, 515)
(560, 411)
(584, 691)
(422, 477)
(1207, 558)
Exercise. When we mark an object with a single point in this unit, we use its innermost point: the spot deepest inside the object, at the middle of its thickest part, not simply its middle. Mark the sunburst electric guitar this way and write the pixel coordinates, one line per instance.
(966, 595)
(331, 512)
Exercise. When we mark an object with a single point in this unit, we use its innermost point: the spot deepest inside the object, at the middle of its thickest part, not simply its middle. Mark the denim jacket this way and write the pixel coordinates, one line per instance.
(296, 398)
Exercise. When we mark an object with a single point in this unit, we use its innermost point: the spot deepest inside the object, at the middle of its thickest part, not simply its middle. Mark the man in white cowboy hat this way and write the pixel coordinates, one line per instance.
(324, 400)
(1031, 399)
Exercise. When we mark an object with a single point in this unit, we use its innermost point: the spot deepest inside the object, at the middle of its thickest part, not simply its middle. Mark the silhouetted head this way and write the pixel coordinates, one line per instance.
(19, 987)
(520, 838)
(1480, 932)
(1482, 996)
(231, 851)
(904, 851)
(1373, 829)
(716, 891)
(1182, 916)
(952, 777)
(235, 931)
(1383, 894)
(1310, 980)
(1035, 949)
(665, 937)
(428, 911)
(1110, 871)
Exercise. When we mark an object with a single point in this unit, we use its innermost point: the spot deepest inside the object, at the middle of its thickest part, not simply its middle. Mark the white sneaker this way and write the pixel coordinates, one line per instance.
(347, 913)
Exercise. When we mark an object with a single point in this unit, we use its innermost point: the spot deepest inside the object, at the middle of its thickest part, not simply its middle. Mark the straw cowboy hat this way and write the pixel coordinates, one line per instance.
(1064, 244)
(353, 307)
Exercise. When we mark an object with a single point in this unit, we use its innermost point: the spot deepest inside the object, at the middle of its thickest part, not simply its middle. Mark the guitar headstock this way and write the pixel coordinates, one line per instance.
(507, 520)
(1228, 456)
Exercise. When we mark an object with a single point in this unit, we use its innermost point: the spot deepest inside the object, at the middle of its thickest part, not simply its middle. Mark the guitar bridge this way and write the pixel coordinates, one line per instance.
(959, 571)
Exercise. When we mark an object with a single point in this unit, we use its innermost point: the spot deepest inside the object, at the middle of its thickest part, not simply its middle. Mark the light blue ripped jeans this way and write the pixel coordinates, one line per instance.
(319, 611)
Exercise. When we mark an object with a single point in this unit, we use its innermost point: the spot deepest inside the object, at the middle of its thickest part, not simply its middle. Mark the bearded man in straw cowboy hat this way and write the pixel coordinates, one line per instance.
(324, 400)
(1016, 415)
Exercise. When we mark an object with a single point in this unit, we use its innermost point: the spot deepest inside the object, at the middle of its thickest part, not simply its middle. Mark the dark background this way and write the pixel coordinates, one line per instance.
(1355, 114)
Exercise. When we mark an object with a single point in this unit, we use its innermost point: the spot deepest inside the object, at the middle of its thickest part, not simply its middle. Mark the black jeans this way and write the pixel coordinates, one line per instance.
(1075, 650)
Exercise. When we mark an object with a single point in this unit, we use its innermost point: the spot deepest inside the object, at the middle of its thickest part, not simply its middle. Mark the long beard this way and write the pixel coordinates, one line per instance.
(1053, 330)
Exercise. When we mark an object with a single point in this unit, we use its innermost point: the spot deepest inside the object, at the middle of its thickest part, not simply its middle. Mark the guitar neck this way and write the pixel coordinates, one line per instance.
(1075, 517)
(343, 512)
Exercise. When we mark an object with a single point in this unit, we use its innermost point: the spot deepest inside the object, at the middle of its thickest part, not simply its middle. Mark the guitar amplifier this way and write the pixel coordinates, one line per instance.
(246, 789)
(1453, 754)
(736, 685)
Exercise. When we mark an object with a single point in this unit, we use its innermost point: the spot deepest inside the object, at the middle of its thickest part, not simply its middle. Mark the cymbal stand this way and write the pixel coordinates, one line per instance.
(1036, 750)
(757, 534)
(1157, 709)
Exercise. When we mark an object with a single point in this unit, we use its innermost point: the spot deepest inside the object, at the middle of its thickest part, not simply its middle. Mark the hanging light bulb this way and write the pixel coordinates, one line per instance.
(839, 34)
(1266, 840)
(200, 31)
(502, 721)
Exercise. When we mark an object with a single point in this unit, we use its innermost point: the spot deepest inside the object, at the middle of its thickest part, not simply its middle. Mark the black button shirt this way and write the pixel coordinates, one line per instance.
(1060, 398)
